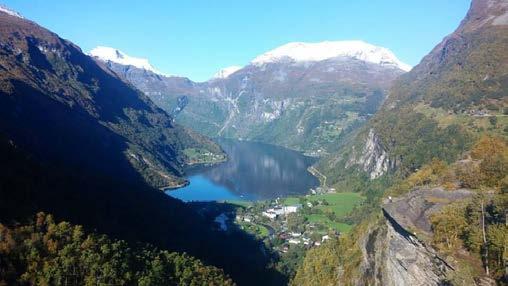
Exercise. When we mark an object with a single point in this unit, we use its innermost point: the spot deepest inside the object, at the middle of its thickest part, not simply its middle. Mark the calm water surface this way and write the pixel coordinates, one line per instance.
(254, 171)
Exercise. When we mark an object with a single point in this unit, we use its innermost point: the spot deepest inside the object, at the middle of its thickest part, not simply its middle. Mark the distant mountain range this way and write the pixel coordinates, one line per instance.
(305, 96)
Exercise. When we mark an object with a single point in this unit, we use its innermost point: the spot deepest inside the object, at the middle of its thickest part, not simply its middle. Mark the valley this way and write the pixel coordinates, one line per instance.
(253, 171)
(318, 162)
(302, 103)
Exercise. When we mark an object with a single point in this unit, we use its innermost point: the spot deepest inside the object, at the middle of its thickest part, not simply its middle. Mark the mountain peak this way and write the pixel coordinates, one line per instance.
(226, 72)
(10, 12)
(311, 52)
(114, 55)
(485, 12)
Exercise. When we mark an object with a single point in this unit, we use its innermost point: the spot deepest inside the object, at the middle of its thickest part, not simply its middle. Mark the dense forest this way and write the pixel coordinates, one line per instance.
(45, 252)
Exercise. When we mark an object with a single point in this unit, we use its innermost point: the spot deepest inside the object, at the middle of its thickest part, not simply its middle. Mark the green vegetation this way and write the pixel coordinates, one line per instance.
(258, 230)
(337, 261)
(202, 156)
(480, 227)
(329, 209)
(457, 230)
(49, 253)
(316, 125)
(480, 224)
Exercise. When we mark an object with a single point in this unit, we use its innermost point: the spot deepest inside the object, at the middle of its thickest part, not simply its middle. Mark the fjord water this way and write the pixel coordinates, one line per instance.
(254, 171)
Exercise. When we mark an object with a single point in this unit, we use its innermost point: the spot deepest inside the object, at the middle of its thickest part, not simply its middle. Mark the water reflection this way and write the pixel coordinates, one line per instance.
(254, 171)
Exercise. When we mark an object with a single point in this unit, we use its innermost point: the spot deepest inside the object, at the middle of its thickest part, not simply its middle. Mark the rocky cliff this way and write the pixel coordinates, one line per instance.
(372, 158)
(397, 250)
(394, 256)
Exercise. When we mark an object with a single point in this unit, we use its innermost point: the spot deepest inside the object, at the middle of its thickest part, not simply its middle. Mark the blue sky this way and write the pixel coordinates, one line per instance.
(196, 38)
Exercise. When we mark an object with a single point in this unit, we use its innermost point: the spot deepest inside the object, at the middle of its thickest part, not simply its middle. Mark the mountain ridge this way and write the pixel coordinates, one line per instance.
(271, 101)
(314, 52)
(418, 162)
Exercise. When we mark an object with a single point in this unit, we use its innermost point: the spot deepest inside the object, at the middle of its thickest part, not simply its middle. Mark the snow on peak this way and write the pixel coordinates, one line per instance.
(226, 72)
(10, 12)
(313, 52)
(114, 55)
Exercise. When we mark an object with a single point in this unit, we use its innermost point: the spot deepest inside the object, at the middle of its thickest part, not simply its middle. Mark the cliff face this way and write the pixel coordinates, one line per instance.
(372, 159)
(394, 255)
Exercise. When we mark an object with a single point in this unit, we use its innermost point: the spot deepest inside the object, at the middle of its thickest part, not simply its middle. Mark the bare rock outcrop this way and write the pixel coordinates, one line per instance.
(373, 159)
(393, 254)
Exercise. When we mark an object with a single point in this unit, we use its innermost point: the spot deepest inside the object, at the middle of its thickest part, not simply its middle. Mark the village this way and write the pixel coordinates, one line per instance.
(305, 221)
(284, 225)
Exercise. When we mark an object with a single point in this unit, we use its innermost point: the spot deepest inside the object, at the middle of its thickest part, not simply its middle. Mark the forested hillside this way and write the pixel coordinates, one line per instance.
(440, 107)
(81, 144)
(45, 252)
(432, 163)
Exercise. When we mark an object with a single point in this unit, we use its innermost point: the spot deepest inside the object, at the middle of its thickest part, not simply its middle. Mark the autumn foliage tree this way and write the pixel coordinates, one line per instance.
(50, 253)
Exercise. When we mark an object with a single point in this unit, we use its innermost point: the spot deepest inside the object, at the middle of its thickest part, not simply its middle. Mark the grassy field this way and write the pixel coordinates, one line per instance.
(256, 229)
(322, 219)
(291, 201)
(473, 123)
(338, 203)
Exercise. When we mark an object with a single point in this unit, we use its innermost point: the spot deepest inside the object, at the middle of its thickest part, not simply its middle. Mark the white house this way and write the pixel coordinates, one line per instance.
(270, 215)
(294, 241)
(291, 209)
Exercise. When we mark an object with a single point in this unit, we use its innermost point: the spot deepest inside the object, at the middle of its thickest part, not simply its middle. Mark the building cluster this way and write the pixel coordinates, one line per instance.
(275, 212)
(297, 238)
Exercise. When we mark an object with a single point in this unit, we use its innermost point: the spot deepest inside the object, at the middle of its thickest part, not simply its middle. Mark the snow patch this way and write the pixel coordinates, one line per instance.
(10, 12)
(114, 55)
(313, 52)
(226, 72)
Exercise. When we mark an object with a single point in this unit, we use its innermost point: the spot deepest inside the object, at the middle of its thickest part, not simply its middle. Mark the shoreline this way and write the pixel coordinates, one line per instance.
(171, 188)
(192, 165)
(315, 172)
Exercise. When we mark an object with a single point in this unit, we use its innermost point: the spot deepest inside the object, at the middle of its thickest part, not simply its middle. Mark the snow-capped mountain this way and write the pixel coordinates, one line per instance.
(107, 54)
(10, 12)
(226, 72)
(302, 96)
(314, 52)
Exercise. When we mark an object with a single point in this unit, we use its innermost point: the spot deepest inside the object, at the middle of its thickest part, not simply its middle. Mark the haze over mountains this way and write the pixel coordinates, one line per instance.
(301, 95)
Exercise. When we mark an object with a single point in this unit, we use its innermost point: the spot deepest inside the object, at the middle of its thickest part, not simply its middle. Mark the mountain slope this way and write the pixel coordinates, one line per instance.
(439, 107)
(295, 96)
(58, 85)
(45, 252)
(436, 151)
(79, 143)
